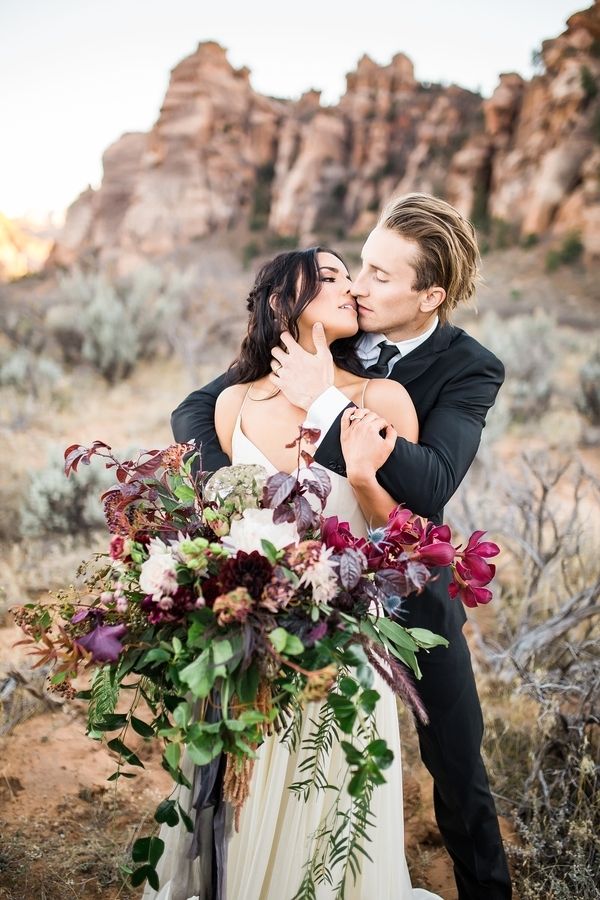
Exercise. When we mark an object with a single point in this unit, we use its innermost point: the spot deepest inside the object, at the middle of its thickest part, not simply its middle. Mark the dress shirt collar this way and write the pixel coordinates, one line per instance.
(368, 342)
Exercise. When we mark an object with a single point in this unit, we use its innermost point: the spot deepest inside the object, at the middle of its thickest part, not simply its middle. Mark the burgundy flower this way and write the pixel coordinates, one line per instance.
(399, 527)
(103, 642)
(472, 595)
(184, 600)
(473, 566)
(439, 553)
(337, 534)
(250, 570)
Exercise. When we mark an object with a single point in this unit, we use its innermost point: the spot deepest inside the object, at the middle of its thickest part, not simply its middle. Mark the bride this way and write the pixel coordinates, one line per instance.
(254, 422)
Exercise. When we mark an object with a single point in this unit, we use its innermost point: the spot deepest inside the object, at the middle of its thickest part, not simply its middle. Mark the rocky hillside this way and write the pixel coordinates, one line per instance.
(221, 155)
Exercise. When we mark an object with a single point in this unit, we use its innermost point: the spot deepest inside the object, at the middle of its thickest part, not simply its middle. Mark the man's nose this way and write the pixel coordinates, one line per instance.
(358, 288)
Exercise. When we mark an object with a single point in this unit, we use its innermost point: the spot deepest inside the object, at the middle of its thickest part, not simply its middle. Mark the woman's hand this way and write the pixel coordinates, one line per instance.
(365, 451)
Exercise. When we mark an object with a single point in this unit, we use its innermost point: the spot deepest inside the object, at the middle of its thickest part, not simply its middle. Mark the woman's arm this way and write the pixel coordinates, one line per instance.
(392, 412)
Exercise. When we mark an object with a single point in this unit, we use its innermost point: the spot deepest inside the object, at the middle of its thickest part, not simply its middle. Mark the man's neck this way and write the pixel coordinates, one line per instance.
(410, 332)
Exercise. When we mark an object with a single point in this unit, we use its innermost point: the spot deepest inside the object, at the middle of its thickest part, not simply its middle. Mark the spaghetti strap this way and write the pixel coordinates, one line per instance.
(238, 421)
(364, 391)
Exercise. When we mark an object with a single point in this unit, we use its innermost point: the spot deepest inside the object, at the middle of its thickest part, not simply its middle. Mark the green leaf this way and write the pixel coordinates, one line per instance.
(155, 654)
(157, 847)
(172, 754)
(185, 818)
(142, 728)
(270, 551)
(200, 675)
(203, 753)
(112, 722)
(222, 652)
(182, 714)
(347, 686)
(344, 711)
(364, 675)
(247, 684)
(184, 492)
(140, 849)
(138, 876)
(368, 700)
(252, 717)
(357, 783)
(427, 639)
(116, 775)
(166, 812)
(396, 633)
(352, 753)
(284, 642)
(128, 755)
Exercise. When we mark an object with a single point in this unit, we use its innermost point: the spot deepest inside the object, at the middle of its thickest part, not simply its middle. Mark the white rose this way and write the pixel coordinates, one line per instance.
(257, 525)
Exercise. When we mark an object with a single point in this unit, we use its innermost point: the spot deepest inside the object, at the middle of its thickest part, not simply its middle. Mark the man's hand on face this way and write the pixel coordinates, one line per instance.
(302, 376)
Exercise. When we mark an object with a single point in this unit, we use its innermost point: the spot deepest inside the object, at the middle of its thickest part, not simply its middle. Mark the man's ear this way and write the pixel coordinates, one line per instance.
(432, 298)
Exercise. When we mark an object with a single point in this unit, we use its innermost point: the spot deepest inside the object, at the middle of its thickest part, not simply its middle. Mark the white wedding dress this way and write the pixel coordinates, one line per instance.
(265, 858)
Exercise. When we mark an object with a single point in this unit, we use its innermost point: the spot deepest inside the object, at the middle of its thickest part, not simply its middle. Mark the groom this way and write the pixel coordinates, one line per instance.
(418, 264)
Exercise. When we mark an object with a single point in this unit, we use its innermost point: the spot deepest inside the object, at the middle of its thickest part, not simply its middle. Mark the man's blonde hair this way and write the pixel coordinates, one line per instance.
(448, 255)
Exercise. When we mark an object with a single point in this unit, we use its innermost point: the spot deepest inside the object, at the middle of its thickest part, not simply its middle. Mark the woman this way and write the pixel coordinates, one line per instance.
(254, 422)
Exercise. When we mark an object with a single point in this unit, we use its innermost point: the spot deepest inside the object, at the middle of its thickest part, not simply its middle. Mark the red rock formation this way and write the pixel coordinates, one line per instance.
(220, 154)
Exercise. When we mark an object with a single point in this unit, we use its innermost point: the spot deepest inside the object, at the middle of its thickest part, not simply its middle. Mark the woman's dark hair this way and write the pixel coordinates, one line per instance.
(275, 304)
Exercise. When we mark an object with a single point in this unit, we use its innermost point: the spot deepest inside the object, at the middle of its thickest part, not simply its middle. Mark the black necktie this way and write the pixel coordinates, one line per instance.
(387, 352)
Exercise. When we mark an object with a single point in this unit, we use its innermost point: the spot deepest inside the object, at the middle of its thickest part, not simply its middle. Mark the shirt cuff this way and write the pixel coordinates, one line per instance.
(325, 410)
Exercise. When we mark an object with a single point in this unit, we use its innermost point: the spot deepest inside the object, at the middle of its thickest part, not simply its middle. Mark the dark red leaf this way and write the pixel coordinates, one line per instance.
(305, 514)
(351, 568)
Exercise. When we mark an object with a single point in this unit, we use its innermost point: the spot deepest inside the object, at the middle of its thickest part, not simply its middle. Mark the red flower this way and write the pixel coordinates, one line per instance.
(473, 566)
(337, 534)
(472, 595)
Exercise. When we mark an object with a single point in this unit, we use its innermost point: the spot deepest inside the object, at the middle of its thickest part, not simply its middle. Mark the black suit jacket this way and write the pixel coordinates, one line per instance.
(453, 382)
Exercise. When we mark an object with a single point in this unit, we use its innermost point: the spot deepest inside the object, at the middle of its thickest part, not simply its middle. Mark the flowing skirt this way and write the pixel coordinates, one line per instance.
(265, 859)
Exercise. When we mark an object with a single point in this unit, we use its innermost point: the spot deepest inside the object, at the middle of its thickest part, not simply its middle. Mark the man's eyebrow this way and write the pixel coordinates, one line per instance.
(333, 269)
(379, 268)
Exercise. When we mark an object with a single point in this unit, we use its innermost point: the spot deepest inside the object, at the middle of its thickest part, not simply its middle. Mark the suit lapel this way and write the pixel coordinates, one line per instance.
(414, 364)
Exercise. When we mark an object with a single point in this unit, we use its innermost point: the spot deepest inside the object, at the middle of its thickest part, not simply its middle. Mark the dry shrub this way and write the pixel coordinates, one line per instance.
(530, 348)
(541, 666)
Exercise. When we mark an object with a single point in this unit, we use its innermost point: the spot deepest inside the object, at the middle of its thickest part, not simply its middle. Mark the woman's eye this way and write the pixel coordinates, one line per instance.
(328, 278)
(382, 280)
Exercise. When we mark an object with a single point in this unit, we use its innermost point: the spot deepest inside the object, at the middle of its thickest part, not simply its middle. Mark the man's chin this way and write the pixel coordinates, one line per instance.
(365, 325)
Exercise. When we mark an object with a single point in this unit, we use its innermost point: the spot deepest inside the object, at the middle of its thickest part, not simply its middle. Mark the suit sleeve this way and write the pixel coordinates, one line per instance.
(424, 476)
(194, 420)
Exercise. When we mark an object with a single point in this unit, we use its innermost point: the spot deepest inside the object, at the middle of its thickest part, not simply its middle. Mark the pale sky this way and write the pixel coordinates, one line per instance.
(76, 74)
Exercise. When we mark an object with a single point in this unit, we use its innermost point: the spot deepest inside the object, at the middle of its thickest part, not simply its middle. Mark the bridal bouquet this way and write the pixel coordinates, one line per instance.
(223, 607)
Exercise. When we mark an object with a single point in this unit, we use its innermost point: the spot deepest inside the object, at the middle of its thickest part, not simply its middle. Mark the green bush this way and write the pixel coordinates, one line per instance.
(29, 373)
(54, 504)
(114, 324)
(567, 254)
(529, 241)
(588, 83)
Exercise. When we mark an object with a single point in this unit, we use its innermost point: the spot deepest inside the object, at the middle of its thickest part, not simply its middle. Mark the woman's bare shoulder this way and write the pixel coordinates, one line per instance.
(231, 396)
(392, 401)
(386, 391)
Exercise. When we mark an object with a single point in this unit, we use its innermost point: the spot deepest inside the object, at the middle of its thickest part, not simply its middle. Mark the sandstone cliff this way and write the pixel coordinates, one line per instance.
(221, 155)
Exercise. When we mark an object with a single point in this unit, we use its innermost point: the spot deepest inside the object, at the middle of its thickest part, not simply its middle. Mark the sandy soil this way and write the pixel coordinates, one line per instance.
(66, 830)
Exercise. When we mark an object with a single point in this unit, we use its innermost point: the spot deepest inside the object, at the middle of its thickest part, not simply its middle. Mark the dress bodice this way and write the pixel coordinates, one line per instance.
(341, 502)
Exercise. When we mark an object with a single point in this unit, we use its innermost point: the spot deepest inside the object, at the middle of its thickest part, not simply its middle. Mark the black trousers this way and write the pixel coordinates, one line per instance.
(451, 750)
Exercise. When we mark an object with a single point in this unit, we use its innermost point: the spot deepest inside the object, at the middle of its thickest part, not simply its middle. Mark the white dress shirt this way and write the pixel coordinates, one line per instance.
(328, 405)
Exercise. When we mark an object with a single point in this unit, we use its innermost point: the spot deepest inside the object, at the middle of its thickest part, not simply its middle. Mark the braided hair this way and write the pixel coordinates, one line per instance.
(275, 303)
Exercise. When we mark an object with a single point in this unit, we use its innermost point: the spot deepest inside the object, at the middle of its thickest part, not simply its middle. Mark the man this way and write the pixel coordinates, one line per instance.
(418, 264)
